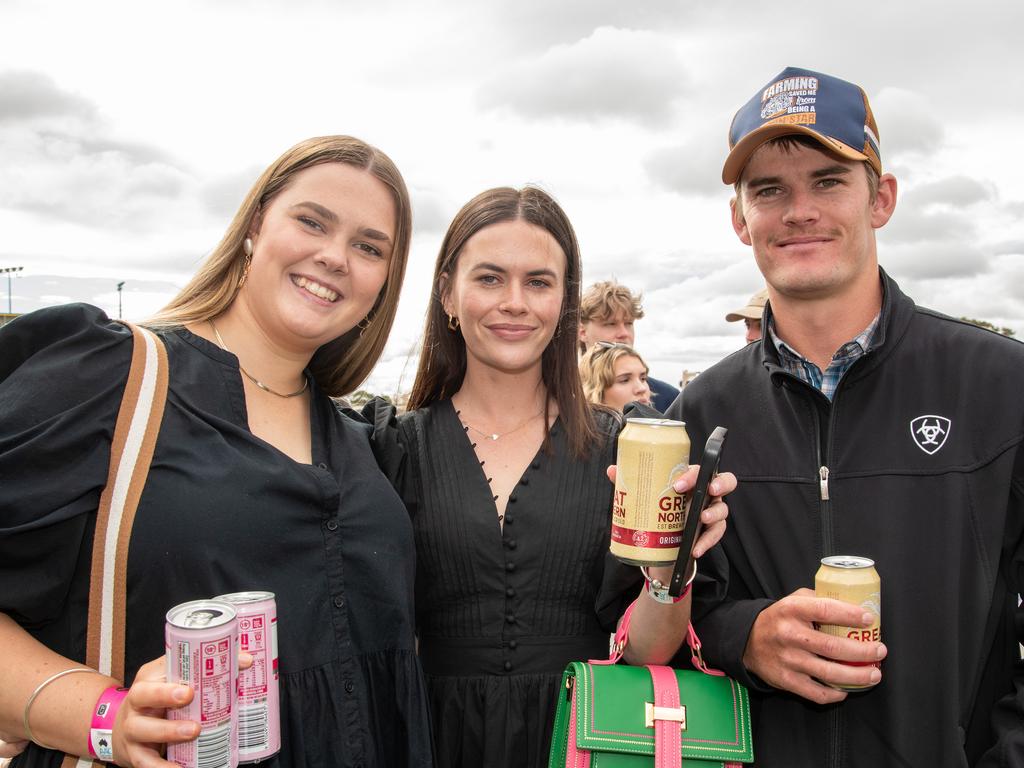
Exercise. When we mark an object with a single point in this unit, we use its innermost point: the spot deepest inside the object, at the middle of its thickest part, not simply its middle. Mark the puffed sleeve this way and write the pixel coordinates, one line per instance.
(62, 375)
(389, 442)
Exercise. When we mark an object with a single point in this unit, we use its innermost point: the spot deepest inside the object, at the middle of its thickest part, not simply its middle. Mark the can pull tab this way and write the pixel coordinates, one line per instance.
(823, 474)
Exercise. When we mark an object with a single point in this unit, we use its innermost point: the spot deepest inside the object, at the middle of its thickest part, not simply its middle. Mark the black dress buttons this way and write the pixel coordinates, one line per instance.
(510, 567)
(332, 525)
(339, 602)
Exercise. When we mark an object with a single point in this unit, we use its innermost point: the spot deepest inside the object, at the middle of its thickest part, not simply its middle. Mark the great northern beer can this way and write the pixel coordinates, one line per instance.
(201, 640)
(852, 580)
(647, 514)
(259, 708)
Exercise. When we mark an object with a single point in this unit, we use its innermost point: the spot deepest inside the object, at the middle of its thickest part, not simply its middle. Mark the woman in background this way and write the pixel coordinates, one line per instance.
(615, 375)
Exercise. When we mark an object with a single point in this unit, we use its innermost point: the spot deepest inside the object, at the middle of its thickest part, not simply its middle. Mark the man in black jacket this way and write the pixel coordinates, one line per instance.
(860, 424)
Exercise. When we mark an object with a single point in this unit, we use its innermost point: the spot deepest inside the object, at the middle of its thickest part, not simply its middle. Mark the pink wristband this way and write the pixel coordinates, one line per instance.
(101, 742)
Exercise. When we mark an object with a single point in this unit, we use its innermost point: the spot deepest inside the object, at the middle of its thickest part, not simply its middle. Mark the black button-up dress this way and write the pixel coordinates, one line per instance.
(222, 511)
(500, 612)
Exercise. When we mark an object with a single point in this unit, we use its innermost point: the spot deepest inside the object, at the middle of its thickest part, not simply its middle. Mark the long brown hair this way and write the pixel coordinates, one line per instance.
(338, 366)
(442, 365)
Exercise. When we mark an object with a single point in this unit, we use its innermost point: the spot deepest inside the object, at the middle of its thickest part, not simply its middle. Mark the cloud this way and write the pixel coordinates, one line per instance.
(693, 167)
(57, 175)
(573, 19)
(953, 191)
(939, 229)
(613, 74)
(935, 259)
(223, 196)
(28, 95)
(907, 123)
(60, 161)
(431, 214)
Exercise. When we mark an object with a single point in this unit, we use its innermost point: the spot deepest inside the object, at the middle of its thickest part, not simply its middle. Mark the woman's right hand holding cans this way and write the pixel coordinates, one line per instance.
(141, 730)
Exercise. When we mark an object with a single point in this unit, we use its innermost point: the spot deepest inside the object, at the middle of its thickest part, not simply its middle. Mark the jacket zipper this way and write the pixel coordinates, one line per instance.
(836, 721)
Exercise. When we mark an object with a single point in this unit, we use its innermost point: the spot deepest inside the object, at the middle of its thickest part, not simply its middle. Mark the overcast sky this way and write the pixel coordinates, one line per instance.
(129, 132)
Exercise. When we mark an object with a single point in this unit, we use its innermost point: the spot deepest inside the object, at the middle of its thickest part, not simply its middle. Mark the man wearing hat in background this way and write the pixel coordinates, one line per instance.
(863, 425)
(751, 315)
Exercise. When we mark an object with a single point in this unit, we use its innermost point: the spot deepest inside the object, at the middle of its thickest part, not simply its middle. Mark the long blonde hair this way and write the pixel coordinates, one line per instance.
(342, 364)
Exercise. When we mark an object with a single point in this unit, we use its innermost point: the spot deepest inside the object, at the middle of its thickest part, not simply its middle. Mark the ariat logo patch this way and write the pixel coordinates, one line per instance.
(930, 432)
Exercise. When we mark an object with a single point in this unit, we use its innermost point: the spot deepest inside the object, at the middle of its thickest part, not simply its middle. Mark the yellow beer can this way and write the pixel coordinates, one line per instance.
(647, 514)
(852, 579)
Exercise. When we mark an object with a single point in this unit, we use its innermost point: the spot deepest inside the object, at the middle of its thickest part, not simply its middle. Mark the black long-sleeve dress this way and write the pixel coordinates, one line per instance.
(501, 612)
(222, 511)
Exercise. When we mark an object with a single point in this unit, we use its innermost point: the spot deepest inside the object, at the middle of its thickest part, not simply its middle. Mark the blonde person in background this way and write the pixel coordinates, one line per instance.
(615, 375)
(608, 312)
(257, 480)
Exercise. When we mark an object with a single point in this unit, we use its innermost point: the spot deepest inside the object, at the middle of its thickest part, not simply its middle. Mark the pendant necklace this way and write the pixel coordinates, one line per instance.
(253, 379)
(493, 436)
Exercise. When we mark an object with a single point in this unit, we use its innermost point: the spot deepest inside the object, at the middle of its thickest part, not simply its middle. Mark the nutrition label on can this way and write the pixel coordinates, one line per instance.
(252, 638)
(215, 690)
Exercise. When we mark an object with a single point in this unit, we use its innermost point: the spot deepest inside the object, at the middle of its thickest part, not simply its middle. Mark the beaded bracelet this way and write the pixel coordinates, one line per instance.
(101, 741)
(37, 691)
(659, 591)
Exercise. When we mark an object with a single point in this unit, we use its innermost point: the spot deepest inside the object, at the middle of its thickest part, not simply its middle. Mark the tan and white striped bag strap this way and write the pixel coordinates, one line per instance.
(138, 424)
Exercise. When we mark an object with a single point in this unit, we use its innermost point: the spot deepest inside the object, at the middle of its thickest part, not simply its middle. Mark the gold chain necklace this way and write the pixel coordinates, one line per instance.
(494, 435)
(253, 379)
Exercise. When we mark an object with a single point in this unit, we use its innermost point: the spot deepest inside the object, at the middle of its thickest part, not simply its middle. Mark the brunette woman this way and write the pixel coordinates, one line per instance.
(502, 463)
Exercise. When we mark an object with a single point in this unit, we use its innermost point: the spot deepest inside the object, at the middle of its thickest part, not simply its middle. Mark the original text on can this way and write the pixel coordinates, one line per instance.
(259, 707)
(201, 641)
(647, 513)
(852, 580)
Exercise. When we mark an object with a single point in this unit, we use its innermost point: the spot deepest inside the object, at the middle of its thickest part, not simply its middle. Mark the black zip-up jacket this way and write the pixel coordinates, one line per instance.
(917, 464)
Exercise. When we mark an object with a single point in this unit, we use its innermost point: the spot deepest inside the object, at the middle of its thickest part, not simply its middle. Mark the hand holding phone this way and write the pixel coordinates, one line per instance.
(699, 499)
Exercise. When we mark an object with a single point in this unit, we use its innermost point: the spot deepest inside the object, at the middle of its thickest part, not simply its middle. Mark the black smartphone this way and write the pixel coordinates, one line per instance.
(699, 498)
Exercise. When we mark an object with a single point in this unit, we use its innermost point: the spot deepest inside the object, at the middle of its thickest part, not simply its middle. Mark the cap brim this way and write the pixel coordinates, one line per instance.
(745, 147)
(747, 313)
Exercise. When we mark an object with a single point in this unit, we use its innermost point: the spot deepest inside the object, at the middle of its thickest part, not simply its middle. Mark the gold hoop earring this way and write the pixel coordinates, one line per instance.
(363, 324)
(453, 323)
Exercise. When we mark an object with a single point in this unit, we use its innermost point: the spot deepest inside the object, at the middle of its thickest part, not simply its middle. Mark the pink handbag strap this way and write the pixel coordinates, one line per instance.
(622, 635)
(669, 718)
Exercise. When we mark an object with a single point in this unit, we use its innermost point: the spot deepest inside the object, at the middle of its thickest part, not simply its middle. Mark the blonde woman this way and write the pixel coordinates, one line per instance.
(615, 375)
(257, 481)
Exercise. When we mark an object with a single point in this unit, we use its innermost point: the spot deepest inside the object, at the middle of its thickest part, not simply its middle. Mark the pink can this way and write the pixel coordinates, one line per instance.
(201, 640)
(259, 704)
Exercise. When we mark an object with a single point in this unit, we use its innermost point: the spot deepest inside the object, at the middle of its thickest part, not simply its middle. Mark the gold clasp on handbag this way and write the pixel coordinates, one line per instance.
(652, 713)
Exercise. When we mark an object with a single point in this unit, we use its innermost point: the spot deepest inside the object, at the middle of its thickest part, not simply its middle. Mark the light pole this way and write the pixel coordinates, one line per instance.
(119, 287)
(9, 271)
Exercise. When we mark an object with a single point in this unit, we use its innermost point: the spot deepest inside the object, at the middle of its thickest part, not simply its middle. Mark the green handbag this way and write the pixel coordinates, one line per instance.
(618, 716)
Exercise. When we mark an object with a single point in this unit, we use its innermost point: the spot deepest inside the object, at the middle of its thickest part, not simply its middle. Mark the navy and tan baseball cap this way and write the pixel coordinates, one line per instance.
(798, 101)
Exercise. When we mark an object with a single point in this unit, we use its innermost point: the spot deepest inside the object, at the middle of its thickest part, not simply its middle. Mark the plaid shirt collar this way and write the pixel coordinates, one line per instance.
(827, 381)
